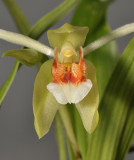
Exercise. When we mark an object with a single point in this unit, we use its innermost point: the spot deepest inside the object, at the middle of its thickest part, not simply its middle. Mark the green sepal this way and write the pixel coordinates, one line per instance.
(88, 107)
(67, 33)
(27, 57)
(45, 105)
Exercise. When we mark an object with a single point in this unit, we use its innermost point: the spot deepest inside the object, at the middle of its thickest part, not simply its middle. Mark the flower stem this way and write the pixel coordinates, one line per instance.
(117, 33)
(69, 129)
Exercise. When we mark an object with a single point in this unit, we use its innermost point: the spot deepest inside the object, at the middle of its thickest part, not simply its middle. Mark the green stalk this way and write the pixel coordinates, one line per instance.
(70, 151)
(60, 136)
(69, 129)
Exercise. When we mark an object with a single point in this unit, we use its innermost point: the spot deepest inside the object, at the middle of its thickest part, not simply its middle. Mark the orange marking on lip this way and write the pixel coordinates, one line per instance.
(76, 71)
(59, 73)
(69, 72)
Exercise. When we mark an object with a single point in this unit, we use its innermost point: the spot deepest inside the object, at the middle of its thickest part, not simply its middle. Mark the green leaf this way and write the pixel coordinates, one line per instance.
(60, 136)
(89, 13)
(115, 132)
(127, 136)
(27, 57)
(18, 16)
(45, 105)
(51, 18)
(5, 87)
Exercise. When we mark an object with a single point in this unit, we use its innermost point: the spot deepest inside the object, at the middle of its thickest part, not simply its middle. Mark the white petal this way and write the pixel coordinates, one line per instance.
(69, 93)
(80, 91)
(58, 93)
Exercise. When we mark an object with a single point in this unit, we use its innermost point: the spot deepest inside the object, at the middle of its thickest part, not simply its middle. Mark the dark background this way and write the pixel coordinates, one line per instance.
(18, 139)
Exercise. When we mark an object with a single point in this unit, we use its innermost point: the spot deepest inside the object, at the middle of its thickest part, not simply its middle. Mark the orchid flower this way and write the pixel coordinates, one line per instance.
(69, 78)
(66, 79)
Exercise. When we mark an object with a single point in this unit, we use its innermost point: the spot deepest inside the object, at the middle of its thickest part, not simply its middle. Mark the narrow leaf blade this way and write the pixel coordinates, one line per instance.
(51, 18)
(114, 134)
(5, 87)
(18, 16)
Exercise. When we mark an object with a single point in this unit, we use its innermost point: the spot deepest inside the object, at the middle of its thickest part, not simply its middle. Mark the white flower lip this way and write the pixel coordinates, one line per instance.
(69, 93)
